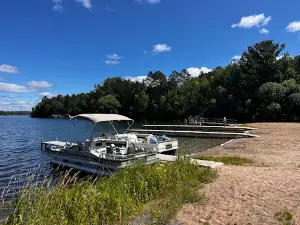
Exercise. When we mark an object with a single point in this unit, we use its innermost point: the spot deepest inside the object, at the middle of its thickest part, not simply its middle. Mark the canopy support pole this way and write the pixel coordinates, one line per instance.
(129, 127)
(113, 127)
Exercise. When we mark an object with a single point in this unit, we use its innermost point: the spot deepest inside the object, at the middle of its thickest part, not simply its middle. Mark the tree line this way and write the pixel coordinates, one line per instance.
(264, 85)
(14, 113)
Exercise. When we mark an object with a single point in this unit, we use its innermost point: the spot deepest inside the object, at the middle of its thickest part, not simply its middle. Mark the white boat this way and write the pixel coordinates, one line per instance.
(104, 155)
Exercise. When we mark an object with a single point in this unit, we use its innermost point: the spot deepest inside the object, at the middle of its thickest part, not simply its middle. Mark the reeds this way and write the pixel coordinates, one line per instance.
(141, 191)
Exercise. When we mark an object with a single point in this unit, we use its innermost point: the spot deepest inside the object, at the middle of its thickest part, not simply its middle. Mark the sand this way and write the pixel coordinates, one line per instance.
(253, 194)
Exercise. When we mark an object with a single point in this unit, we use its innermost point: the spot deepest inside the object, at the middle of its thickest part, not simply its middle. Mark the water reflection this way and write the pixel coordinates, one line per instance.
(194, 145)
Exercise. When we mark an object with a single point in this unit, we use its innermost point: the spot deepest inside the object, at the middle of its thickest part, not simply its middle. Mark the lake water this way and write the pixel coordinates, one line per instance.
(20, 138)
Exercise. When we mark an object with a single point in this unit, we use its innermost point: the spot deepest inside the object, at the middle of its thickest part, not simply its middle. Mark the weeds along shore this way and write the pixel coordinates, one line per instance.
(137, 194)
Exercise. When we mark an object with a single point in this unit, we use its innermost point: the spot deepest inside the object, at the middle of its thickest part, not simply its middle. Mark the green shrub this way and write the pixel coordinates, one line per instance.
(285, 217)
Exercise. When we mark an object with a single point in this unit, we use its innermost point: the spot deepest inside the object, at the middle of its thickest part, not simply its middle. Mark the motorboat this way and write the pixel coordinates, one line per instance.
(107, 153)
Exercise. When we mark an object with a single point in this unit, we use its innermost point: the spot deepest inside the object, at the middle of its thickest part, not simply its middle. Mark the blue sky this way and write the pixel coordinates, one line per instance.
(51, 47)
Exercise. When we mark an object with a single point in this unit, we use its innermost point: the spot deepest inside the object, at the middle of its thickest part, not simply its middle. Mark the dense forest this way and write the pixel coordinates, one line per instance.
(14, 113)
(264, 85)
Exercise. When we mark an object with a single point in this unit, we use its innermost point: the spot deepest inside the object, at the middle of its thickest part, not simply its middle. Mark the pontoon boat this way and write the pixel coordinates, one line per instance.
(107, 153)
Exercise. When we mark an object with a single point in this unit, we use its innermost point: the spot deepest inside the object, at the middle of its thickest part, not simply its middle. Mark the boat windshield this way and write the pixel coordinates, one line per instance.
(102, 125)
(110, 128)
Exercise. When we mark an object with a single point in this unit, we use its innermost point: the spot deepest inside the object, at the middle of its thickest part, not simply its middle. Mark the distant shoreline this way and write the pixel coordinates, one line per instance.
(15, 113)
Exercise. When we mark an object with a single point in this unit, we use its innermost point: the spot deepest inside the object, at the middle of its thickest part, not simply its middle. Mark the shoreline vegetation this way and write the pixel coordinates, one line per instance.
(138, 194)
(263, 85)
(15, 113)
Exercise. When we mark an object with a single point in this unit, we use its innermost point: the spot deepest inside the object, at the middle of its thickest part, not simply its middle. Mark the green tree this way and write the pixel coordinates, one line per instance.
(263, 85)
(109, 104)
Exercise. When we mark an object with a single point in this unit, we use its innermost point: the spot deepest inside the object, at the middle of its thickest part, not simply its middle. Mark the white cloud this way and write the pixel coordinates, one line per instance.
(153, 1)
(5, 87)
(279, 57)
(8, 69)
(195, 72)
(114, 56)
(48, 94)
(148, 1)
(161, 48)
(40, 84)
(112, 62)
(109, 9)
(8, 96)
(4, 103)
(236, 57)
(284, 55)
(263, 31)
(293, 27)
(138, 78)
(85, 3)
(113, 59)
(57, 6)
(25, 104)
(14, 106)
(253, 21)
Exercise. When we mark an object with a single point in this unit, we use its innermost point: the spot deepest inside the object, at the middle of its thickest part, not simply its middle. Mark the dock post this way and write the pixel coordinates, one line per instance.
(42, 144)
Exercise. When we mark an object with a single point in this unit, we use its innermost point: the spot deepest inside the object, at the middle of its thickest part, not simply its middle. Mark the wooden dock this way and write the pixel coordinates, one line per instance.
(190, 133)
(203, 163)
(231, 129)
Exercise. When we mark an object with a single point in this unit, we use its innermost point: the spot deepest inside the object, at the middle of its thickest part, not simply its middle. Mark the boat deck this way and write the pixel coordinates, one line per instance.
(57, 143)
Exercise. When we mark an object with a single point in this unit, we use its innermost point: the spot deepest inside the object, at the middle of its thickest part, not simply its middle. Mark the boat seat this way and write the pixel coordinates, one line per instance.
(86, 146)
(109, 150)
(116, 142)
(97, 144)
(131, 149)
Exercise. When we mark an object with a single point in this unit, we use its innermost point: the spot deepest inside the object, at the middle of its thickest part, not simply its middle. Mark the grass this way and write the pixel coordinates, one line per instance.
(285, 217)
(227, 160)
(153, 192)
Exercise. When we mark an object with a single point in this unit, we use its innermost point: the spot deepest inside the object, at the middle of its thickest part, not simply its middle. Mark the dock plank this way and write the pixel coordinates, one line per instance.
(188, 133)
(222, 128)
(203, 163)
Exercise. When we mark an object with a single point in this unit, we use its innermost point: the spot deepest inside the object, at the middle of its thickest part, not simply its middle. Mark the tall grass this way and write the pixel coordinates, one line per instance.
(153, 192)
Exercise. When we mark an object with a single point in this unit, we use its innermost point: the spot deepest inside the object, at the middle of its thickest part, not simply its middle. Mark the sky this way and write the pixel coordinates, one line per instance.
(50, 47)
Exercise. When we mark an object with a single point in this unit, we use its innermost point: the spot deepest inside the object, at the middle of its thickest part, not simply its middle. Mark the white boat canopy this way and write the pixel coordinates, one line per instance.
(97, 118)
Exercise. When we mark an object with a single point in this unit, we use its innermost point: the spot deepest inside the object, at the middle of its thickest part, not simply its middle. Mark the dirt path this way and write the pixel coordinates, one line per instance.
(253, 194)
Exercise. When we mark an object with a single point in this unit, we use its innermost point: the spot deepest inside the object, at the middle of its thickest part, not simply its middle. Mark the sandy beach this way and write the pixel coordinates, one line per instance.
(253, 194)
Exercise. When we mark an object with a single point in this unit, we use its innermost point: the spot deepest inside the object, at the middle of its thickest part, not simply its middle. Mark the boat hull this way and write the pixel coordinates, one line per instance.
(89, 163)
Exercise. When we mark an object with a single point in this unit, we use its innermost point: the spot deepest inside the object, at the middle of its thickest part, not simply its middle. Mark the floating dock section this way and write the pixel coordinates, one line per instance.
(230, 129)
(193, 133)
(203, 163)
